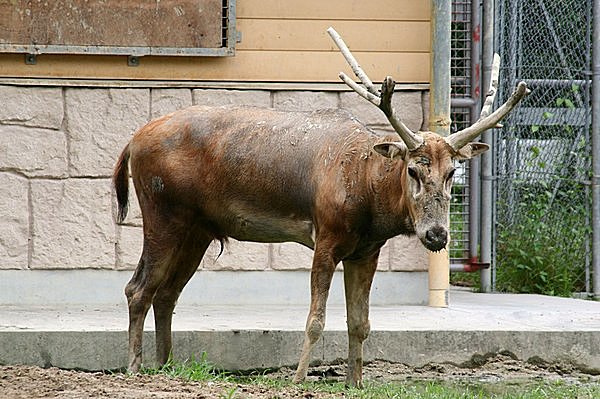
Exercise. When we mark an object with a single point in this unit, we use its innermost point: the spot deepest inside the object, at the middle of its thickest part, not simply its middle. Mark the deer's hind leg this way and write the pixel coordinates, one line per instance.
(184, 266)
(165, 236)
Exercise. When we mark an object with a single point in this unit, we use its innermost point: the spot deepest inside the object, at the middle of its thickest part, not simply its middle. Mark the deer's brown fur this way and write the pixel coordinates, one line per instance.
(321, 179)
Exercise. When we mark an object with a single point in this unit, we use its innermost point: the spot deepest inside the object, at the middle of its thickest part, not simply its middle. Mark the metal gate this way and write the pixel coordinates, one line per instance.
(465, 54)
(542, 155)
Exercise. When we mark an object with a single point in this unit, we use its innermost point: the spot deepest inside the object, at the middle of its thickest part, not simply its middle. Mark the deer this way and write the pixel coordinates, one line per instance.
(321, 179)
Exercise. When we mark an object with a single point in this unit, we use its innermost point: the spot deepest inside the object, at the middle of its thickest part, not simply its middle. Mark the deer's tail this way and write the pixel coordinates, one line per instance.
(121, 184)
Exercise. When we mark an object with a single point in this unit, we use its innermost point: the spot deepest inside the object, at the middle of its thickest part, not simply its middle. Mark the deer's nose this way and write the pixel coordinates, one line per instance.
(436, 238)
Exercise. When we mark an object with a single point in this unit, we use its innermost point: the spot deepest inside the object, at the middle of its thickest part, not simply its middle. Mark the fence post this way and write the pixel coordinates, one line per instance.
(596, 150)
(487, 158)
(439, 122)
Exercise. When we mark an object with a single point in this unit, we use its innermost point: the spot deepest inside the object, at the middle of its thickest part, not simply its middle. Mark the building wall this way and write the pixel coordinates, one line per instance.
(282, 41)
(65, 119)
(58, 146)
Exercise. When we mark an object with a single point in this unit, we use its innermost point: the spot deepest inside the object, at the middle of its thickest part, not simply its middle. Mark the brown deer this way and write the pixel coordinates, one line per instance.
(321, 179)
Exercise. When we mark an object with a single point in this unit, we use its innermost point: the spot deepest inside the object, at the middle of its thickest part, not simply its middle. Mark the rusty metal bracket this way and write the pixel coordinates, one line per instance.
(133, 60)
(474, 264)
(471, 265)
(30, 59)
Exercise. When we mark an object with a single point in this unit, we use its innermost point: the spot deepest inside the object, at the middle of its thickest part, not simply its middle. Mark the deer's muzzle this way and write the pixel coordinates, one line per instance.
(435, 238)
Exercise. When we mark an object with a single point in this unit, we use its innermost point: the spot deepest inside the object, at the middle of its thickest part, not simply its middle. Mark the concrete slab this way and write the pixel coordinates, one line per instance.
(105, 287)
(261, 336)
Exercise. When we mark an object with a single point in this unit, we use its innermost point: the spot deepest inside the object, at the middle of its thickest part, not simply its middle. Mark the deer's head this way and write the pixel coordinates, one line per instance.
(428, 157)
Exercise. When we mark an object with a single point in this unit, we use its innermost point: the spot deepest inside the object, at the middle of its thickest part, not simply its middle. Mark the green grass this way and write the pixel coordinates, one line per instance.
(191, 369)
(202, 370)
(544, 248)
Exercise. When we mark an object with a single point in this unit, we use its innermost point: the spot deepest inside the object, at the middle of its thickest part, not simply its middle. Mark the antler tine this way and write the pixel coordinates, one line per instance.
(358, 71)
(488, 119)
(491, 94)
(382, 100)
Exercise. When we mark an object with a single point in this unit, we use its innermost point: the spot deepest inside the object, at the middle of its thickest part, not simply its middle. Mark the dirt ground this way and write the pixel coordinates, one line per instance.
(36, 382)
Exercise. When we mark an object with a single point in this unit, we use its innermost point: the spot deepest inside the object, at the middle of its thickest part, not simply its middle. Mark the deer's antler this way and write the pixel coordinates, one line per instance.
(382, 99)
(488, 119)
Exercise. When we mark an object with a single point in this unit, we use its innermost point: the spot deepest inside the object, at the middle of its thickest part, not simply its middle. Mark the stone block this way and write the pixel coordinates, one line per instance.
(14, 229)
(237, 255)
(100, 122)
(218, 97)
(408, 254)
(165, 101)
(408, 106)
(291, 256)
(384, 258)
(129, 247)
(33, 151)
(32, 106)
(304, 100)
(72, 224)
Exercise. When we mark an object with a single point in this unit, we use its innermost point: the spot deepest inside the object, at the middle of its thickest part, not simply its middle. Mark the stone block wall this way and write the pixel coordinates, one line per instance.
(58, 146)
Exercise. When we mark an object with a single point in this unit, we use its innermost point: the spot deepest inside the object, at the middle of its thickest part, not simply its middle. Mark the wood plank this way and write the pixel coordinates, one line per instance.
(140, 23)
(195, 84)
(391, 10)
(306, 35)
(259, 66)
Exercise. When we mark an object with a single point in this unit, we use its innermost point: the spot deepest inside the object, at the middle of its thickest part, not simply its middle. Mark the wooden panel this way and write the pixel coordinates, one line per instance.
(274, 34)
(282, 41)
(276, 66)
(140, 23)
(395, 10)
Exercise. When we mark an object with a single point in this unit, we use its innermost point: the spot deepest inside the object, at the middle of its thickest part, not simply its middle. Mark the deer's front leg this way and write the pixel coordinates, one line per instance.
(358, 276)
(320, 280)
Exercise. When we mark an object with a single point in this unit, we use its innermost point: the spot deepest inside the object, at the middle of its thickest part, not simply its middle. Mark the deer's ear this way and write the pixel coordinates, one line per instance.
(471, 150)
(392, 149)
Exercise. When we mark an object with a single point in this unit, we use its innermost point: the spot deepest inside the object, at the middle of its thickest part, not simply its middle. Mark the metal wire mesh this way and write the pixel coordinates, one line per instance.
(460, 69)
(459, 205)
(224, 23)
(542, 163)
(460, 63)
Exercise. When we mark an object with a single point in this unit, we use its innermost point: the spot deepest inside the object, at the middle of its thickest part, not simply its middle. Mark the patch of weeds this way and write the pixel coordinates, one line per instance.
(543, 243)
(543, 390)
(270, 386)
(230, 394)
(476, 390)
(191, 369)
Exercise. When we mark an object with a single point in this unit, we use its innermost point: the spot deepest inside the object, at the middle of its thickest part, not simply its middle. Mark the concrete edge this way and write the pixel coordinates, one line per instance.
(260, 349)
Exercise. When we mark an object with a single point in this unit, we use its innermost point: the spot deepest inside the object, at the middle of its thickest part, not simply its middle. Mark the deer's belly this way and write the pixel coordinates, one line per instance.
(269, 228)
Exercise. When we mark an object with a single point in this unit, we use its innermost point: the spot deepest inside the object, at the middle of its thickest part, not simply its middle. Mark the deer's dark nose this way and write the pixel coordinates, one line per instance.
(436, 238)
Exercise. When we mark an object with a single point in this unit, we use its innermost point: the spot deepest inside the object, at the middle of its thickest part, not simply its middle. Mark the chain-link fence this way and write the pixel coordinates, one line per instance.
(462, 92)
(542, 155)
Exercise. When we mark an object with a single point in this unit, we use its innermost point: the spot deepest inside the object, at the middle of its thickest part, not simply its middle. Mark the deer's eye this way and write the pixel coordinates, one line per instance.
(412, 172)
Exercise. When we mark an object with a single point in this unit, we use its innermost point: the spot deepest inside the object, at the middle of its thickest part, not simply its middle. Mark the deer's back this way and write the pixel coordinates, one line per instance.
(255, 173)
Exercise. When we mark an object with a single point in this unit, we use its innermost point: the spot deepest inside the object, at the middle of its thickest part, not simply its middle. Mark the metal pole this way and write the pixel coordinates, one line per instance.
(596, 151)
(475, 163)
(487, 158)
(439, 122)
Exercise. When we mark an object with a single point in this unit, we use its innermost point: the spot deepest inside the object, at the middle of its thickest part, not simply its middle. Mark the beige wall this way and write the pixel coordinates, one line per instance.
(59, 139)
(57, 150)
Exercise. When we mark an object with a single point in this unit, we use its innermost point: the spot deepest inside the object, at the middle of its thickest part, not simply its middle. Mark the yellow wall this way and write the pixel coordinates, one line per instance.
(282, 41)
